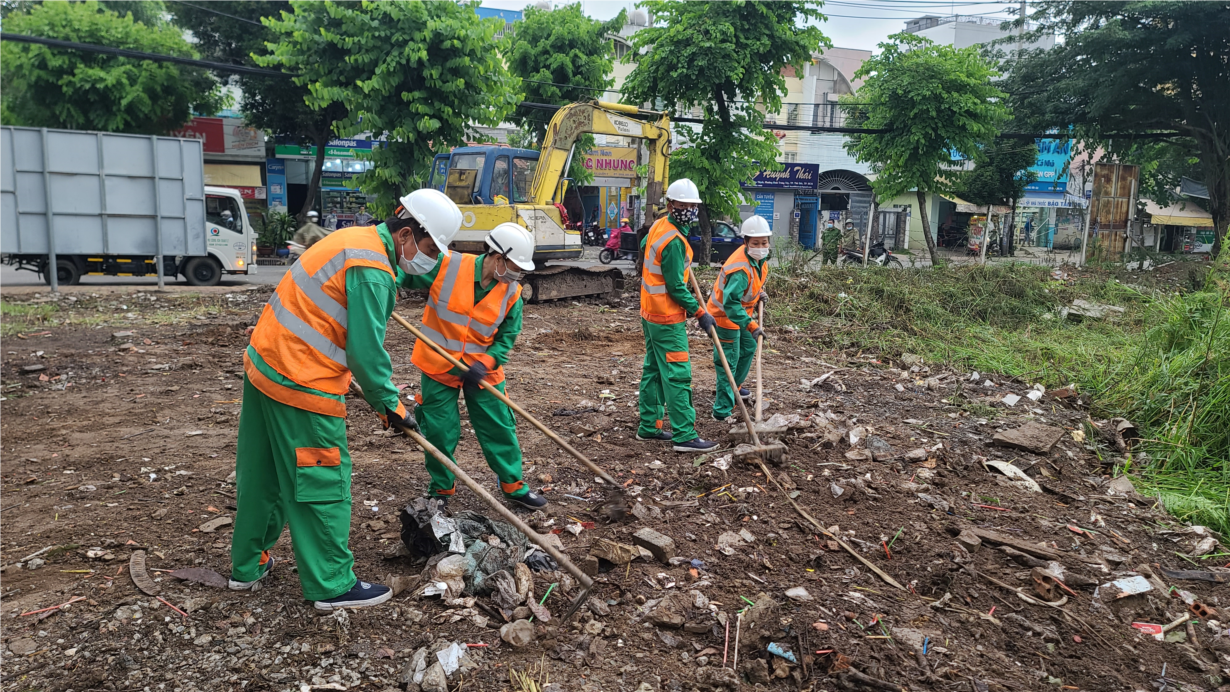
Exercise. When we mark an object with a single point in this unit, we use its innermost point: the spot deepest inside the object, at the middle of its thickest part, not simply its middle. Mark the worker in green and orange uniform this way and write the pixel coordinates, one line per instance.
(666, 303)
(323, 324)
(474, 312)
(737, 290)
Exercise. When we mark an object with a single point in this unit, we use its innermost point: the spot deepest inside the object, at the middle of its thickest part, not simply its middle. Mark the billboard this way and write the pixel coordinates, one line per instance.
(794, 176)
(1054, 156)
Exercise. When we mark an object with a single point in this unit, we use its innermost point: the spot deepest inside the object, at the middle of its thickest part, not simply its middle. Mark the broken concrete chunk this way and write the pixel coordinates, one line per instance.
(662, 546)
(618, 553)
(969, 540)
(936, 502)
(1033, 437)
(215, 524)
(879, 448)
(914, 455)
(728, 542)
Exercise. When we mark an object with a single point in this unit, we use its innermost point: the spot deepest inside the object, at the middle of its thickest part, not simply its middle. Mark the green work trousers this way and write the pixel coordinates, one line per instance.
(666, 382)
(740, 350)
(493, 425)
(293, 466)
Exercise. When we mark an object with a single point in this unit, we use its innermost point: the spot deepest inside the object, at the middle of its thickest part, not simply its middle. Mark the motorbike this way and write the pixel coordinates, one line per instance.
(877, 255)
(295, 249)
(607, 255)
(593, 235)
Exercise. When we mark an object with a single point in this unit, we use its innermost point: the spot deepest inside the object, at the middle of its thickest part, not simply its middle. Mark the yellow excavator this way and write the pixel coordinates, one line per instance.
(494, 184)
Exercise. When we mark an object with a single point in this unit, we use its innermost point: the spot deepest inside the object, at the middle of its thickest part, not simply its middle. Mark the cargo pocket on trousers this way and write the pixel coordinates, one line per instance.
(676, 356)
(318, 474)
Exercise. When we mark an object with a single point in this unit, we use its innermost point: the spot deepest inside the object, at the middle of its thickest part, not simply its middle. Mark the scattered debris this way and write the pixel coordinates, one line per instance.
(1033, 437)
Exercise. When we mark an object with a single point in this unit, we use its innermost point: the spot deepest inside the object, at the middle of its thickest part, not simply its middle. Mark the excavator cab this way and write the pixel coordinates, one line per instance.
(494, 184)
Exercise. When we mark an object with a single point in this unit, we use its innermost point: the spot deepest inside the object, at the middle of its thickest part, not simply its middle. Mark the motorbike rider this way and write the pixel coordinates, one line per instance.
(612, 241)
(311, 232)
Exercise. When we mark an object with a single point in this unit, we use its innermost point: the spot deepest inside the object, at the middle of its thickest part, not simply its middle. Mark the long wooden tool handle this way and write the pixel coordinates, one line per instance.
(734, 386)
(418, 334)
(498, 506)
(759, 377)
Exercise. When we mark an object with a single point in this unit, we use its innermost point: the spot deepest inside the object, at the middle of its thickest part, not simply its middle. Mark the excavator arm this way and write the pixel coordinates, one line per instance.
(600, 117)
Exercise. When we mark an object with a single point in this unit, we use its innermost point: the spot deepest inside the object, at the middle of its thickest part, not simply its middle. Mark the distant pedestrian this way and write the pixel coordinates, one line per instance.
(830, 243)
(363, 218)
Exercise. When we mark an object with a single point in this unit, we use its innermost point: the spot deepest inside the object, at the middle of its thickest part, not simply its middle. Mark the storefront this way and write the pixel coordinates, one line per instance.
(788, 200)
(234, 157)
(1052, 220)
(605, 201)
(339, 205)
(1181, 227)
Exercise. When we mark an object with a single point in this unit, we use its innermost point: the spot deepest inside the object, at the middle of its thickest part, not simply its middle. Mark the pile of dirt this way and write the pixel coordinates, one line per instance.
(966, 533)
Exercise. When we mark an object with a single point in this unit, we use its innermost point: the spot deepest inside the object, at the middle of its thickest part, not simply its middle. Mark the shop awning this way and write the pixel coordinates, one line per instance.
(233, 175)
(1179, 214)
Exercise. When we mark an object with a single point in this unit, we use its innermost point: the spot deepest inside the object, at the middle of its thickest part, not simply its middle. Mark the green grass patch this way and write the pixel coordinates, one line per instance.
(16, 318)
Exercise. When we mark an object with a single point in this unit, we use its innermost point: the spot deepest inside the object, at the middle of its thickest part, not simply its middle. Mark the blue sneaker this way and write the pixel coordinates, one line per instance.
(530, 500)
(697, 445)
(361, 596)
(745, 394)
(664, 436)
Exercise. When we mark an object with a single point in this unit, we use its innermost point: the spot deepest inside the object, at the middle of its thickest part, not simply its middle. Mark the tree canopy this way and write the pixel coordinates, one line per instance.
(1136, 67)
(562, 57)
(53, 87)
(727, 58)
(230, 32)
(418, 74)
(931, 101)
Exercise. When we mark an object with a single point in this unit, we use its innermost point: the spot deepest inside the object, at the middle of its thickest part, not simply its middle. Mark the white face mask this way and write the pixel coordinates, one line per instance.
(758, 253)
(509, 276)
(418, 265)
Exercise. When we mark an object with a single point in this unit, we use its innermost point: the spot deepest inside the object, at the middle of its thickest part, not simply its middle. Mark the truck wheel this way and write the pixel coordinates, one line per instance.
(67, 273)
(203, 271)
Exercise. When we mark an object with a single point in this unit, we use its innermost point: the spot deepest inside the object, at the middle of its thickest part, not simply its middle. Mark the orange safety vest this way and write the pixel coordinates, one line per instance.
(657, 306)
(302, 329)
(457, 324)
(737, 262)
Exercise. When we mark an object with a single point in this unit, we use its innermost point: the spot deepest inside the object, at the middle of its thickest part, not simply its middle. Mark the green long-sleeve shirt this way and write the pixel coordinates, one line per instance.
(736, 286)
(370, 296)
(674, 260)
(505, 335)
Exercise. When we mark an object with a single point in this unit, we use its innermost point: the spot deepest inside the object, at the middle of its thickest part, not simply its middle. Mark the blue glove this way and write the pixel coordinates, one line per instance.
(706, 322)
(472, 377)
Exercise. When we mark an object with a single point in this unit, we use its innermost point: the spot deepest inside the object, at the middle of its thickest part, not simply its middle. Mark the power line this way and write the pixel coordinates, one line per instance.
(221, 14)
(139, 55)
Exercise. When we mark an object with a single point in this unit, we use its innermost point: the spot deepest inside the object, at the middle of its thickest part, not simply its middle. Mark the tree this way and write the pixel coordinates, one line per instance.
(1136, 67)
(727, 58)
(999, 176)
(929, 101)
(562, 57)
(232, 33)
(54, 87)
(418, 75)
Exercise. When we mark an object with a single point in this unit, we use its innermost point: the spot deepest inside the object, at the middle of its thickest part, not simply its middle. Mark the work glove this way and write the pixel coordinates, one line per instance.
(392, 419)
(706, 321)
(756, 330)
(476, 374)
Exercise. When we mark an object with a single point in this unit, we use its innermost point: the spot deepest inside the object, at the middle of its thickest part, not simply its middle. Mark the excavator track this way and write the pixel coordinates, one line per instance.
(559, 283)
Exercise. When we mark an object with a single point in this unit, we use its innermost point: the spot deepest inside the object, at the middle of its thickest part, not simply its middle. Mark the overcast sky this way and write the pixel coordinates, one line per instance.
(851, 24)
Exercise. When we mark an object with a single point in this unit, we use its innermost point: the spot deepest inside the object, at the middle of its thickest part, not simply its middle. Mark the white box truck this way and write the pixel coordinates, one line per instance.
(105, 204)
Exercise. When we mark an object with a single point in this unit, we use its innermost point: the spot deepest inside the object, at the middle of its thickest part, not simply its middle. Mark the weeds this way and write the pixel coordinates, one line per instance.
(21, 317)
(1164, 364)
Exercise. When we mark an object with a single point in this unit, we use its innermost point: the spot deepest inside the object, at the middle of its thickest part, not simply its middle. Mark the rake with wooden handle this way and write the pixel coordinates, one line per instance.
(504, 512)
(773, 452)
(616, 506)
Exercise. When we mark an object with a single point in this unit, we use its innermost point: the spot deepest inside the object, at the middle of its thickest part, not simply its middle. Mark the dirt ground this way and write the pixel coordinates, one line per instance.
(125, 441)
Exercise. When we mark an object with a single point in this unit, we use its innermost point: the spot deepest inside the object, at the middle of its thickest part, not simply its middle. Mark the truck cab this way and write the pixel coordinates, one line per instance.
(230, 239)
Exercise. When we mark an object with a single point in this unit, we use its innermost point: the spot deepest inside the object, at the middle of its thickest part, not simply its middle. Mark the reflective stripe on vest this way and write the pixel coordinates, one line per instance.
(302, 332)
(455, 322)
(656, 305)
(736, 263)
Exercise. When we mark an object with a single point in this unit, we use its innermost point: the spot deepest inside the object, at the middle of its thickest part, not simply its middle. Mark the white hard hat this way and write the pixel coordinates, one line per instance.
(755, 227)
(435, 212)
(313, 215)
(683, 190)
(514, 242)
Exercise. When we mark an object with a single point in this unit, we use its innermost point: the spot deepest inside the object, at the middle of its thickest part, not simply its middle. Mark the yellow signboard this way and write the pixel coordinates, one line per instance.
(611, 162)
